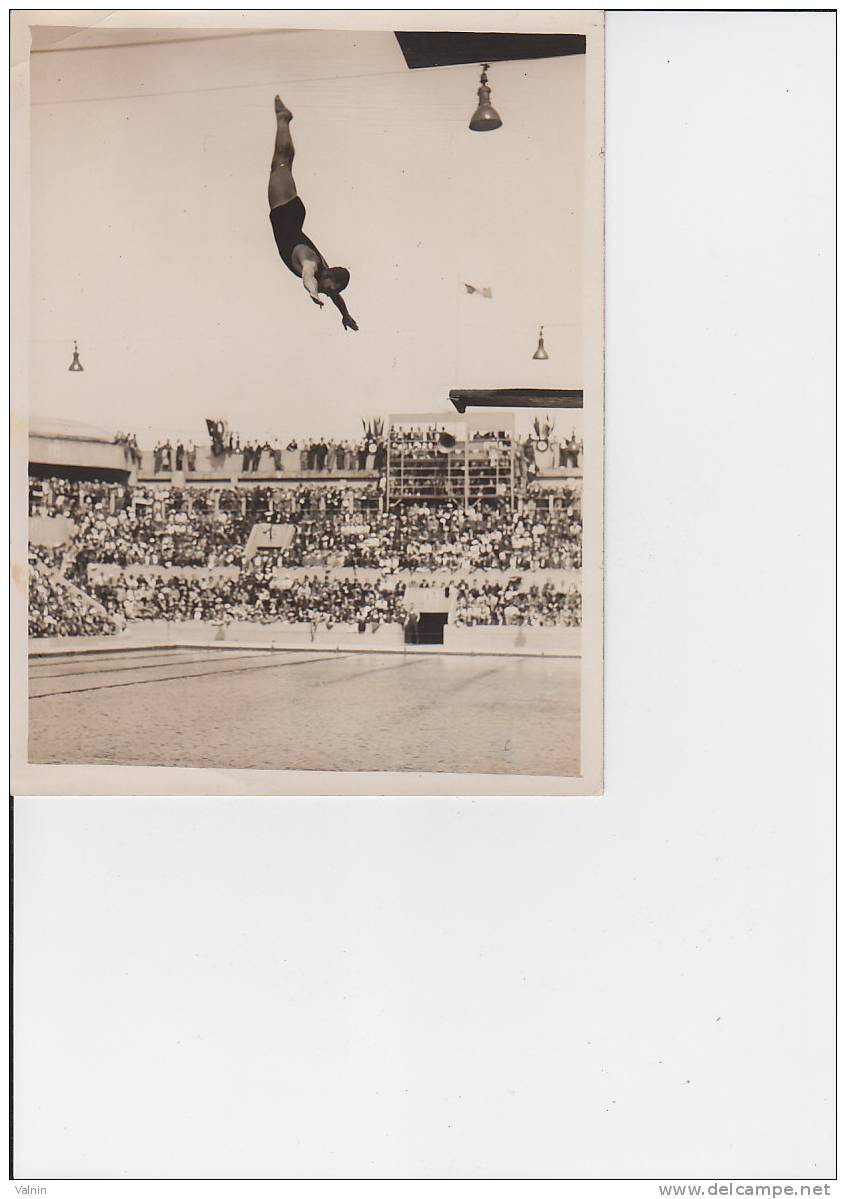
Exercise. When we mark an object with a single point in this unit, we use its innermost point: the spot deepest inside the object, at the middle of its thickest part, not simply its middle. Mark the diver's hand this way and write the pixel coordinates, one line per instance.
(349, 323)
(316, 301)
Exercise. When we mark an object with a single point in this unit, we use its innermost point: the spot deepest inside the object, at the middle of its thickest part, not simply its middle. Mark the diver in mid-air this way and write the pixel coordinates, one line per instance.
(287, 213)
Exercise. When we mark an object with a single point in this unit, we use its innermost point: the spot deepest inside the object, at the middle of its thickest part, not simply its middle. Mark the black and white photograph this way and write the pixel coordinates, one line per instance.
(314, 384)
(423, 587)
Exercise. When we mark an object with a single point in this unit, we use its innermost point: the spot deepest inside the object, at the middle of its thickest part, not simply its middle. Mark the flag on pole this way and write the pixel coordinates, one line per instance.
(486, 292)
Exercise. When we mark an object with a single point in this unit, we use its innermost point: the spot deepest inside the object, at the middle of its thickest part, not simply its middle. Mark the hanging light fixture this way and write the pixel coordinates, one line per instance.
(540, 354)
(76, 365)
(485, 117)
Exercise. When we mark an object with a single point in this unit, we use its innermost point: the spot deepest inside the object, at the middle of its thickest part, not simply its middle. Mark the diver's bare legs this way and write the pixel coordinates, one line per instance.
(281, 187)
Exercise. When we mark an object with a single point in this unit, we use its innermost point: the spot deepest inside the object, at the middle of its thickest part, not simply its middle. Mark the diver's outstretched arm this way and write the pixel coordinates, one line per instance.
(347, 321)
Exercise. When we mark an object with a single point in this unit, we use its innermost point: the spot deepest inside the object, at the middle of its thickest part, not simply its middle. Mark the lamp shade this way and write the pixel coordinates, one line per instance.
(540, 354)
(485, 117)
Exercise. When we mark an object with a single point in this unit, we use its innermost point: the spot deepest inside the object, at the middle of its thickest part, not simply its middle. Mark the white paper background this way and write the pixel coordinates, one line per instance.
(634, 986)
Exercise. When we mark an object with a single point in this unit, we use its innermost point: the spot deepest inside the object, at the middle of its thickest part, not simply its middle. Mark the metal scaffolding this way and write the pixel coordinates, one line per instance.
(434, 457)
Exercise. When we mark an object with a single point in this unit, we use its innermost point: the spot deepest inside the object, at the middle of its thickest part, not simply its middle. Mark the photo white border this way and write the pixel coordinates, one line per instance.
(36, 779)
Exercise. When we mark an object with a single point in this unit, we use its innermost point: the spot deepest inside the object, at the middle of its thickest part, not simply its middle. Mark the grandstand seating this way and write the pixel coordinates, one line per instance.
(344, 554)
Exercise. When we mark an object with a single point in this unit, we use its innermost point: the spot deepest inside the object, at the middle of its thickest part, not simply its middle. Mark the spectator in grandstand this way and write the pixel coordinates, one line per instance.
(412, 625)
(38, 498)
(130, 447)
(571, 451)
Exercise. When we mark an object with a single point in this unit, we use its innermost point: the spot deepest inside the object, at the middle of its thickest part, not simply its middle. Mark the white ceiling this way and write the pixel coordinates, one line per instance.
(52, 38)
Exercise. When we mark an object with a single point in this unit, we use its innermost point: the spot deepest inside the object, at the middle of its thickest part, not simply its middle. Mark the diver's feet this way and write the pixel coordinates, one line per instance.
(281, 111)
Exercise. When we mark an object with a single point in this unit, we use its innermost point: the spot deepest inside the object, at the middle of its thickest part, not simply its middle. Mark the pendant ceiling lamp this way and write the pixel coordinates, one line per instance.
(485, 117)
(540, 354)
(76, 365)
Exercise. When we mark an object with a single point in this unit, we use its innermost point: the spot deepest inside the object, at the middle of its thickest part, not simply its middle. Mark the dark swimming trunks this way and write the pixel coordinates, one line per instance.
(287, 221)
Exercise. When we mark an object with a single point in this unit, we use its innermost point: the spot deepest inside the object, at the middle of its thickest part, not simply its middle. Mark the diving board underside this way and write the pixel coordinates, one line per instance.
(443, 48)
(517, 397)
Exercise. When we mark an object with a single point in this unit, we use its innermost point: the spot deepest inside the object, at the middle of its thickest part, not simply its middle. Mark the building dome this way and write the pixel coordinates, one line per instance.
(71, 445)
(72, 430)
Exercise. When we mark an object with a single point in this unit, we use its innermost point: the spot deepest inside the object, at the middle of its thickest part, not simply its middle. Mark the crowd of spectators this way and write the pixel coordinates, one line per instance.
(168, 457)
(367, 454)
(428, 463)
(536, 536)
(419, 448)
(56, 607)
(54, 496)
(311, 454)
(330, 525)
(260, 594)
(514, 604)
(143, 527)
(421, 442)
(180, 526)
(256, 593)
